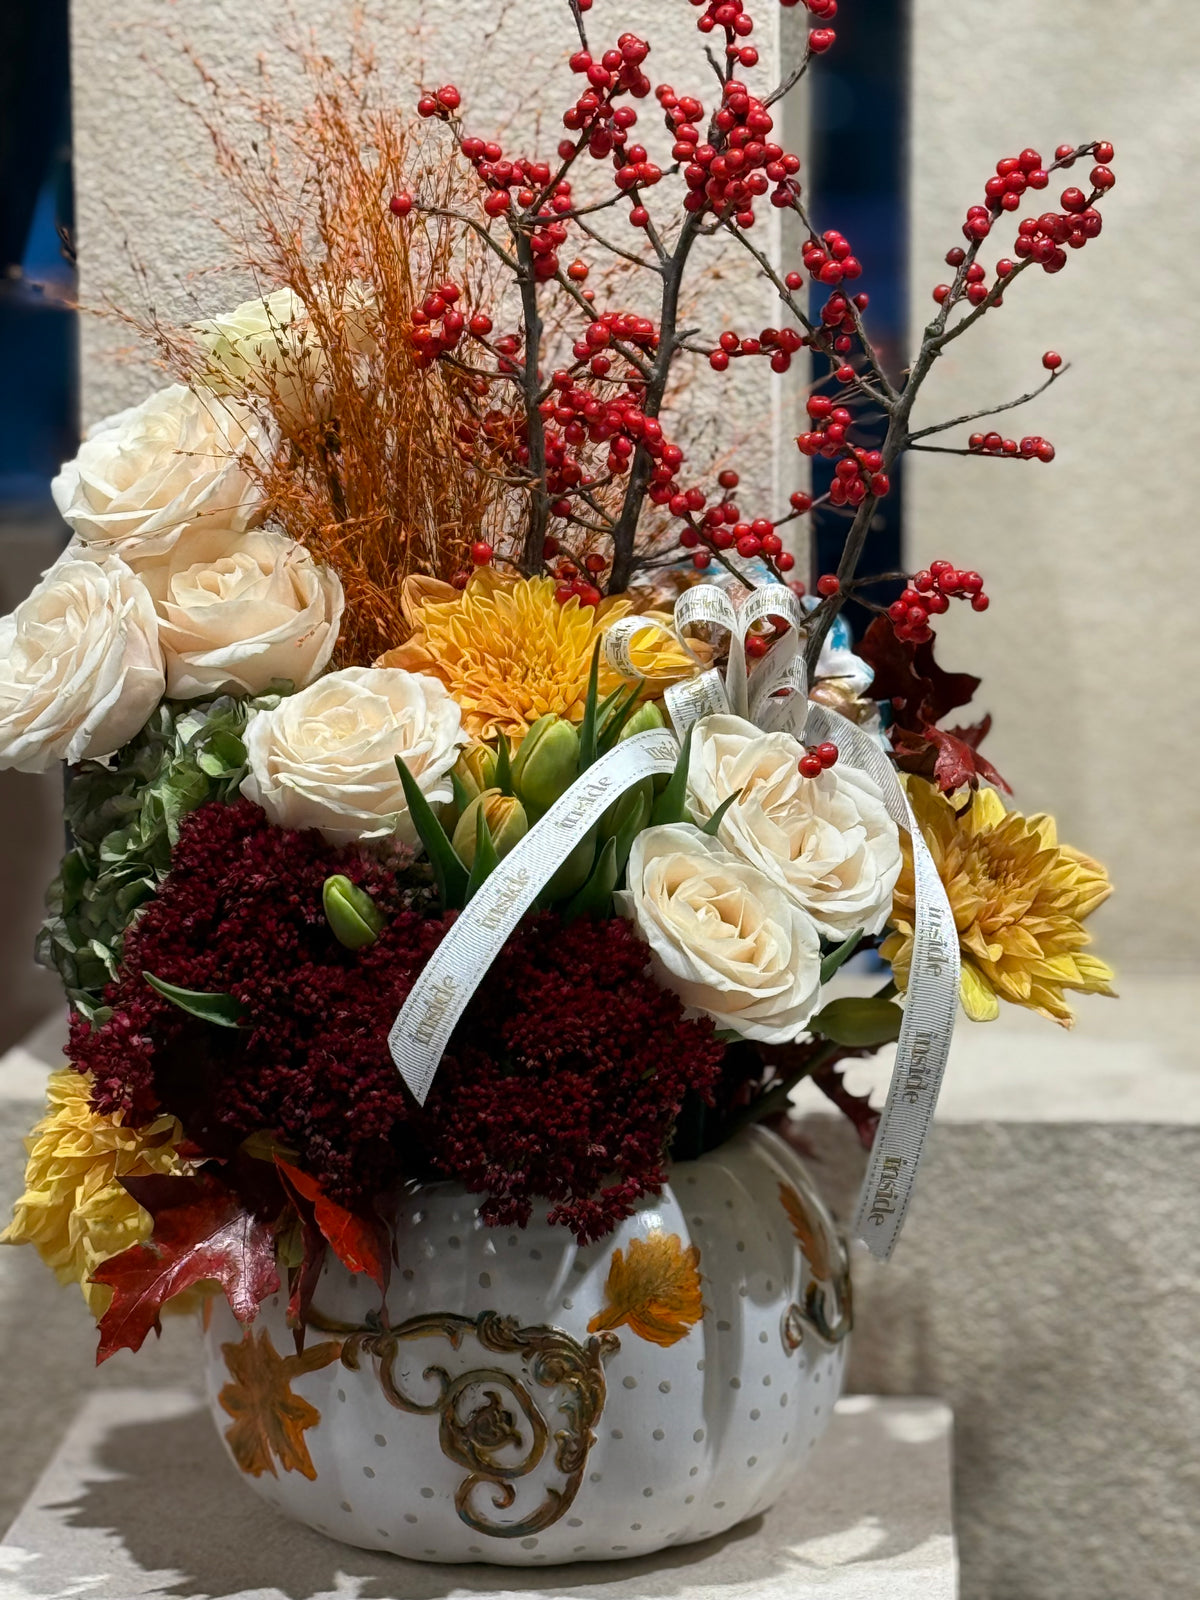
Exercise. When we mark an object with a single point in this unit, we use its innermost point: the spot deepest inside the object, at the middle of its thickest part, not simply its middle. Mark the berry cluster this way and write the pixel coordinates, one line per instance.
(929, 594)
(575, 415)
(437, 326)
(531, 179)
(729, 179)
(603, 126)
(1003, 191)
(818, 760)
(779, 344)
(1041, 239)
(830, 259)
(973, 287)
(442, 105)
(720, 527)
(859, 472)
(1031, 448)
(737, 23)
(572, 583)
(622, 327)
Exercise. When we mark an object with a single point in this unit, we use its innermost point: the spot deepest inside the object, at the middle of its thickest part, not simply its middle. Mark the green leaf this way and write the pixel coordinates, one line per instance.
(610, 731)
(863, 1023)
(843, 953)
(606, 705)
(448, 871)
(713, 826)
(486, 860)
(462, 795)
(595, 898)
(636, 818)
(504, 772)
(220, 1009)
(671, 805)
(588, 727)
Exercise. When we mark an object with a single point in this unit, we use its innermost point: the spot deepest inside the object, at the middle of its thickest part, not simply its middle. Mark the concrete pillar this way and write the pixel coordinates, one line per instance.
(1090, 652)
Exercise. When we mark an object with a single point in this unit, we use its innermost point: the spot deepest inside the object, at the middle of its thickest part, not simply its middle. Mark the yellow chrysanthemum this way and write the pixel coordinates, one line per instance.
(74, 1211)
(1019, 900)
(509, 653)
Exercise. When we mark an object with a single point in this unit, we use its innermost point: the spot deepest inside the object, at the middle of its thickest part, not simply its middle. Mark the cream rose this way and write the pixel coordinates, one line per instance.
(266, 345)
(240, 611)
(80, 665)
(828, 842)
(143, 476)
(326, 757)
(722, 936)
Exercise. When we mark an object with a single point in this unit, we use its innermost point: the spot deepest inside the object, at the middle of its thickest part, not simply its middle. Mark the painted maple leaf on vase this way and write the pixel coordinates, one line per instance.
(654, 1290)
(269, 1419)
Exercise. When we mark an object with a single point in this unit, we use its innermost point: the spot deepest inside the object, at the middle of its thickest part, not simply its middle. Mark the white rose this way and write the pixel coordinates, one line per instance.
(326, 757)
(266, 345)
(721, 935)
(144, 475)
(828, 842)
(239, 611)
(80, 665)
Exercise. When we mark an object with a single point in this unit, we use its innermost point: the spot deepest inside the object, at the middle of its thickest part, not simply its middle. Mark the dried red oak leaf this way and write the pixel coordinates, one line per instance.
(360, 1243)
(201, 1233)
(907, 675)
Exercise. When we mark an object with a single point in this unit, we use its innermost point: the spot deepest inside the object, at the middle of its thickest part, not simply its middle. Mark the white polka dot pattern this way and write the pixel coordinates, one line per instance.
(694, 1435)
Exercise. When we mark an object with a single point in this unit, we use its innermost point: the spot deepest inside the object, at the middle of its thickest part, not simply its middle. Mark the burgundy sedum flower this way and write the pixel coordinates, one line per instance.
(562, 1081)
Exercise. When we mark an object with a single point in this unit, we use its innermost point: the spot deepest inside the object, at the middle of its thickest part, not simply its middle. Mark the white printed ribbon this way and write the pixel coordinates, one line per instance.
(930, 1005)
(450, 977)
(773, 696)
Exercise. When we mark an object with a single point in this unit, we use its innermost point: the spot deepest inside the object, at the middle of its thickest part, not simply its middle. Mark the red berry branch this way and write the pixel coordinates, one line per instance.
(579, 426)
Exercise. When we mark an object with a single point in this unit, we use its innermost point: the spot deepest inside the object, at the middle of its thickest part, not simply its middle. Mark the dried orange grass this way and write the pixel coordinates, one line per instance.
(370, 475)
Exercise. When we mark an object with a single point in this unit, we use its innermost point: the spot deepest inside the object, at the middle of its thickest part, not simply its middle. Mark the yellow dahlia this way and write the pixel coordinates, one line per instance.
(1019, 900)
(74, 1210)
(509, 653)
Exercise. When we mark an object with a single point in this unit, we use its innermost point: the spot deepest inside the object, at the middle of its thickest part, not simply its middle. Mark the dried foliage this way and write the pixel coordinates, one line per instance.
(371, 475)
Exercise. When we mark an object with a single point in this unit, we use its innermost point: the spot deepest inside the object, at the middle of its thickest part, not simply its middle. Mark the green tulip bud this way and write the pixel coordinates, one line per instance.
(355, 919)
(506, 822)
(646, 719)
(547, 763)
(630, 812)
(573, 873)
(475, 769)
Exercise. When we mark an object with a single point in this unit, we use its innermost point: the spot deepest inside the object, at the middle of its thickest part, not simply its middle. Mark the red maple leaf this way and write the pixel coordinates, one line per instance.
(201, 1233)
(958, 759)
(907, 675)
(360, 1243)
(303, 1280)
(919, 694)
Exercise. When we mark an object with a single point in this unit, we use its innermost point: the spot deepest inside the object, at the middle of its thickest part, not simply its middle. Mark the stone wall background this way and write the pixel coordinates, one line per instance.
(146, 196)
(1090, 652)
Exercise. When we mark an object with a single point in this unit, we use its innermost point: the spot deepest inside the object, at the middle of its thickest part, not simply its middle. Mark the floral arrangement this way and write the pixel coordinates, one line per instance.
(396, 559)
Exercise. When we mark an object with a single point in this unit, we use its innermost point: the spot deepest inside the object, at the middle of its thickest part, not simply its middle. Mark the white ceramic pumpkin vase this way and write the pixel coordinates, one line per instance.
(530, 1401)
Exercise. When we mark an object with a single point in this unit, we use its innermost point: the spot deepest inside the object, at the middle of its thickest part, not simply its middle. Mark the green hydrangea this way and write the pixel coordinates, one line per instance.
(123, 821)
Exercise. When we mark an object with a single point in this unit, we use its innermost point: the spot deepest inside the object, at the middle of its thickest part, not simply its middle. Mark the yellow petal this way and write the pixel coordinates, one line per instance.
(977, 996)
